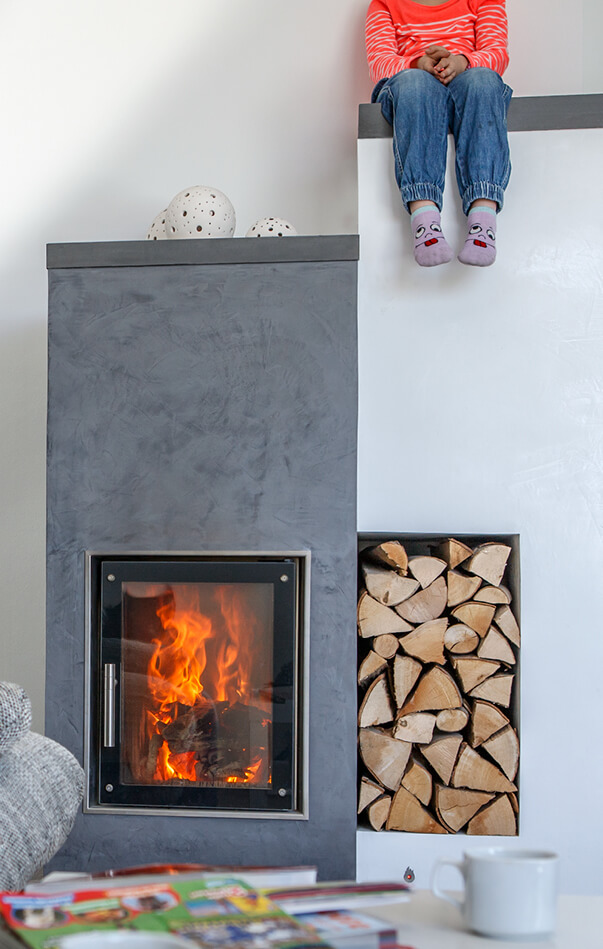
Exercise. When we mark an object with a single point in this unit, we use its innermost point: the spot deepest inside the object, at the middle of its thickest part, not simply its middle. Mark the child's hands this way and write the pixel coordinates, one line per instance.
(436, 53)
(446, 65)
(428, 64)
(450, 67)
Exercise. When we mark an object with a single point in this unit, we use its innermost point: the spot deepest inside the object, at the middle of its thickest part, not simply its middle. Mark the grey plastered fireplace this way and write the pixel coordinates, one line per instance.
(202, 403)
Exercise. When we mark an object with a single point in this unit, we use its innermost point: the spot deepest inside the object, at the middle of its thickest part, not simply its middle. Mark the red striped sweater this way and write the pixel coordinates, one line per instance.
(399, 31)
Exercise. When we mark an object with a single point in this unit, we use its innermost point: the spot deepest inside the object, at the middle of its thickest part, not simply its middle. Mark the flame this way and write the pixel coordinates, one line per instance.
(250, 774)
(198, 661)
(179, 659)
(175, 766)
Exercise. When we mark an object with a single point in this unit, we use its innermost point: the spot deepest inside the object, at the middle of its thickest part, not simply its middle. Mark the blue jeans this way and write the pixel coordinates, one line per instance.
(422, 111)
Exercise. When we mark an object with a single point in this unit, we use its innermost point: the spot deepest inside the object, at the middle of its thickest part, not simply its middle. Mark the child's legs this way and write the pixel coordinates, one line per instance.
(416, 104)
(479, 123)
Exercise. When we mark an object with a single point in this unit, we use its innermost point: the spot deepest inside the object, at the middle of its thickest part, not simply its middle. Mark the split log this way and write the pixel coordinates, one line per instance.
(507, 623)
(384, 756)
(369, 792)
(372, 665)
(496, 689)
(406, 673)
(426, 642)
(426, 604)
(453, 551)
(418, 781)
(486, 720)
(472, 671)
(426, 569)
(459, 638)
(504, 748)
(375, 619)
(456, 806)
(496, 646)
(476, 615)
(392, 554)
(377, 707)
(496, 820)
(452, 719)
(386, 645)
(489, 562)
(378, 811)
(461, 587)
(387, 586)
(417, 727)
(442, 755)
(496, 595)
(407, 813)
(473, 771)
(436, 690)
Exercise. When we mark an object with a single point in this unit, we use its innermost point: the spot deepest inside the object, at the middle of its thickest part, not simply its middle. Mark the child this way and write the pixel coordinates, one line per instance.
(438, 67)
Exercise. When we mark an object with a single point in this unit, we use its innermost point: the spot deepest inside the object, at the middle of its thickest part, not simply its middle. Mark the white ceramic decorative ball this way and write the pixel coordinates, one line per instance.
(200, 212)
(271, 227)
(156, 231)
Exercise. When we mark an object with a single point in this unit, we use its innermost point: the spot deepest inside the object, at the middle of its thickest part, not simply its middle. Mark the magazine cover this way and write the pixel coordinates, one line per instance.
(211, 913)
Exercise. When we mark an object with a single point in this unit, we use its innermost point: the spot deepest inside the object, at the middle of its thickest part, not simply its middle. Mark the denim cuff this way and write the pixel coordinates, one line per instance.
(483, 189)
(423, 191)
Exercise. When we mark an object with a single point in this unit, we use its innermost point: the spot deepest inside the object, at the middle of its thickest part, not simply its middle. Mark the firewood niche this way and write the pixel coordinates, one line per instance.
(438, 684)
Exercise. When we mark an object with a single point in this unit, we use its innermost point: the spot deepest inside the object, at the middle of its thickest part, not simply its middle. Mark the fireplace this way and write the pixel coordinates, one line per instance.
(196, 683)
(202, 397)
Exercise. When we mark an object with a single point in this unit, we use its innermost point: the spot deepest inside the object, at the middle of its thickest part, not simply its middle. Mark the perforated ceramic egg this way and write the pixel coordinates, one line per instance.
(271, 227)
(156, 231)
(200, 211)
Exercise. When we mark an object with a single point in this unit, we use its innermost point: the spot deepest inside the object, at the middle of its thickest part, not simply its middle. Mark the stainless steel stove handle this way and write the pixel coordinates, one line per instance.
(109, 705)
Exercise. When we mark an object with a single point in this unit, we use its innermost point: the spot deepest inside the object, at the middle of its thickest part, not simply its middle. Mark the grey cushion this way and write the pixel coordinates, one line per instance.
(41, 787)
(15, 714)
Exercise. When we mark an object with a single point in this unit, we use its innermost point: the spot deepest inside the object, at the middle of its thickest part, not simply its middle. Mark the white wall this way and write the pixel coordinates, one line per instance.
(110, 107)
(481, 411)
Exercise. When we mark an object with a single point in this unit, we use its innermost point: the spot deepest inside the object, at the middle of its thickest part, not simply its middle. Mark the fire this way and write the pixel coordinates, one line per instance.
(175, 766)
(199, 684)
(250, 774)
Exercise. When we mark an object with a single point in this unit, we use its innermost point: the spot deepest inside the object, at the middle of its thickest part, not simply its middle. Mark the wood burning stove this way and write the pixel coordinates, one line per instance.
(196, 683)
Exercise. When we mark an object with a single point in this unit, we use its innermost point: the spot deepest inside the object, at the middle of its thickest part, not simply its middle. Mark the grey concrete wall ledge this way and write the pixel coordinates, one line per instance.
(228, 250)
(526, 114)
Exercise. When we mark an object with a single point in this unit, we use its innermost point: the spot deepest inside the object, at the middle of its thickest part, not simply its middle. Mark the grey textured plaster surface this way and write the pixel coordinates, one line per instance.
(208, 408)
(526, 114)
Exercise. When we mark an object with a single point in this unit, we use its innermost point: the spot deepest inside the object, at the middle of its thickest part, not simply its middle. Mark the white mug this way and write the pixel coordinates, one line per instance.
(509, 894)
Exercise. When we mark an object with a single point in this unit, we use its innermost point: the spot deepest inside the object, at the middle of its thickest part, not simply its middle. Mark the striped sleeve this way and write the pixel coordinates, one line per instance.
(491, 37)
(384, 59)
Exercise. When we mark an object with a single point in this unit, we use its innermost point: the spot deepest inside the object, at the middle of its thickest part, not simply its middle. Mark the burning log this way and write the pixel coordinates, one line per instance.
(210, 742)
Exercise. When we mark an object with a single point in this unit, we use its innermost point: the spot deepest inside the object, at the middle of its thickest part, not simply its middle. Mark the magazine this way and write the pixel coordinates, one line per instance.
(333, 896)
(258, 877)
(212, 913)
(347, 929)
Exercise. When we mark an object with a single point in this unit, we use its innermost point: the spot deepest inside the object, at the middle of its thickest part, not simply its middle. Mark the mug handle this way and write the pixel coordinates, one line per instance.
(443, 894)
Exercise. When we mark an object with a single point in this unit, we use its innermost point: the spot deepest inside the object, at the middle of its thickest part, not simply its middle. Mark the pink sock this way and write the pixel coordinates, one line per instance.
(480, 246)
(431, 247)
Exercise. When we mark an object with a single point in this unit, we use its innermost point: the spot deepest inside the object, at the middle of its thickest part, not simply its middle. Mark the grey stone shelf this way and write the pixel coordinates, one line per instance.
(526, 114)
(234, 250)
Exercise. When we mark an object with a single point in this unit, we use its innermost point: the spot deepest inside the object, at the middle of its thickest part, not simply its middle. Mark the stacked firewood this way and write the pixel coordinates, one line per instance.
(438, 742)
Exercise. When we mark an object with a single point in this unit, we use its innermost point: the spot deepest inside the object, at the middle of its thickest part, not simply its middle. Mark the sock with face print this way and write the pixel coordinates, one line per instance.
(480, 247)
(431, 247)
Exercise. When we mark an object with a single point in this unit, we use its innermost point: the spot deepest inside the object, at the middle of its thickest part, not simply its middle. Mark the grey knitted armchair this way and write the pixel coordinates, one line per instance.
(41, 787)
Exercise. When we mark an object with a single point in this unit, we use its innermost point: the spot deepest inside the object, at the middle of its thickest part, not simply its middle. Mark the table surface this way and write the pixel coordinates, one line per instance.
(425, 922)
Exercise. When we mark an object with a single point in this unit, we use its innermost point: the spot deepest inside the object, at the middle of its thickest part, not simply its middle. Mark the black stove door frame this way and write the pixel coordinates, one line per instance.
(288, 575)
